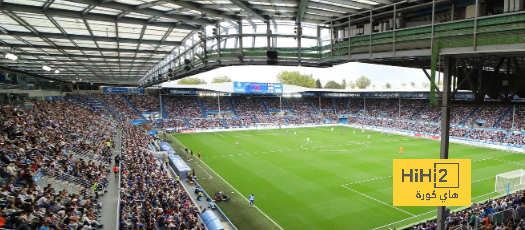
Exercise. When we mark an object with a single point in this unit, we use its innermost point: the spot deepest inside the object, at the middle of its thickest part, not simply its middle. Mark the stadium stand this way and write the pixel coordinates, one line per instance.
(300, 106)
(272, 119)
(145, 103)
(172, 123)
(182, 107)
(341, 105)
(272, 103)
(240, 121)
(167, 206)
(206, 123)
(210, 104)
(54, 142)
(489, 115)
(119, 104)
(248, 107)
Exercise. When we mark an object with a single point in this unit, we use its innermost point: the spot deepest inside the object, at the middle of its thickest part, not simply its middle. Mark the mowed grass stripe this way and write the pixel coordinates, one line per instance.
(302, 189)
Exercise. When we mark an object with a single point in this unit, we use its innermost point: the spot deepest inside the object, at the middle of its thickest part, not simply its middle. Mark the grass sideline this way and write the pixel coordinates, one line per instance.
(319, 185)
(237, 209)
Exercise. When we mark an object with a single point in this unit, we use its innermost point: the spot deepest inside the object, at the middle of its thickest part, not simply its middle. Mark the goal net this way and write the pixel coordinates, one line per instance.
(510, 182)
(266, 125)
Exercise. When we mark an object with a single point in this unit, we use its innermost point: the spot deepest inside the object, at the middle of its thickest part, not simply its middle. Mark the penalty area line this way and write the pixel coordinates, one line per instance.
(382, 202)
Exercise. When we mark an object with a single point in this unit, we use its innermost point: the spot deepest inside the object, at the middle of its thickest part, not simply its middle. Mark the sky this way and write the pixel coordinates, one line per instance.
(380, 75)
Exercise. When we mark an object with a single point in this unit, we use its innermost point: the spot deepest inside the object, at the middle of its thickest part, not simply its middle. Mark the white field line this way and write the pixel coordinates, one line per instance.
(373, 179)
(482, 179)
(219, 135)
(245, 154)
(384, 203)
(384, 226)
(413, 216)
(244, 197)
(237, 191)
(484, 159)
(511, 162)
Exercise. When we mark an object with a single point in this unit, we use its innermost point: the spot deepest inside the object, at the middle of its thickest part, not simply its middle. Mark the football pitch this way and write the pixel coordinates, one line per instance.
(336, 181)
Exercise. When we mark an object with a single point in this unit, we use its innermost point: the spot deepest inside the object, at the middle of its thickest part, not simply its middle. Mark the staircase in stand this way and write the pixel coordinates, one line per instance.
(133, 107)
(203, 111)
(264, 106)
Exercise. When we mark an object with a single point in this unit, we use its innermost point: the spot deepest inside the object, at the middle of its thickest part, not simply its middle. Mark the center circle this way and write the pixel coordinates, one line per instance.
(346, 146)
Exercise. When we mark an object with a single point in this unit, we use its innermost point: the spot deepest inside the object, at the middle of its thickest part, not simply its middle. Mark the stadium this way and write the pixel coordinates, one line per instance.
(105, 123)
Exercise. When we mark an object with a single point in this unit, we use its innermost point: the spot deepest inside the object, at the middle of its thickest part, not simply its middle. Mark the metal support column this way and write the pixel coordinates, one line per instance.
(240, 38)
(269, 33)
(299, 35)
(218, 43)
(445, 127)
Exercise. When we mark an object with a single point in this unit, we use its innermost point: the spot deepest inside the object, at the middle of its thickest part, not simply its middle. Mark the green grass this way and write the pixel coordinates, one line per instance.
(312, 186)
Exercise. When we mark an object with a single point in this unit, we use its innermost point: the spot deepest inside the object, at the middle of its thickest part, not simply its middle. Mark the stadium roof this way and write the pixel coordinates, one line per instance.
(118, 41)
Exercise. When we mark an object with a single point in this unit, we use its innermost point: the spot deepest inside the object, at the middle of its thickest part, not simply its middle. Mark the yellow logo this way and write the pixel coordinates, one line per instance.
(432, 182)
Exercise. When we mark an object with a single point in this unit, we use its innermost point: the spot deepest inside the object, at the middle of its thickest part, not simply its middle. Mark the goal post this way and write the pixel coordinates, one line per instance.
(509, 182)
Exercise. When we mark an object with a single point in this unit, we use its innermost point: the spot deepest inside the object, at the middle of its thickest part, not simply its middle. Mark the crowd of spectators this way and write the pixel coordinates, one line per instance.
(172, 123)
(428, 114)
(325, 107)
(300, 106)
(381, 107)
(519, 122)
(478, 215)
(385, 123)
(319, 119)
(273, 103)
(272, 119)
(515, 139)
(119, 104)
(182, 107)
(341, 105)
(425, 128)
(248, 107)
(300, 120)
(145, 102)
(487, 135)
(409, 108)
(210, 104)
(459, 114)
(149, 197)
(38, 141)
(206, 123)
(240, 121)
(489, 115)
(354, 105)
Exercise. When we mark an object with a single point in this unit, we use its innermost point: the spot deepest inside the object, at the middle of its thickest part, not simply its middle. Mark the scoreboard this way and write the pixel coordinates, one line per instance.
(257, 88)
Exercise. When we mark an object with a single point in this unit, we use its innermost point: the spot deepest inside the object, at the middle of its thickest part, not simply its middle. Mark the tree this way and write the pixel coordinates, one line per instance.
(343, 84)
(318, 84)
(351, 84)
(332, 85)
(388, 86)
(296, 78)
(413, 84)
(403, 84)
(221, 79)
(362, 82)
(425, 84)
(191, 81)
